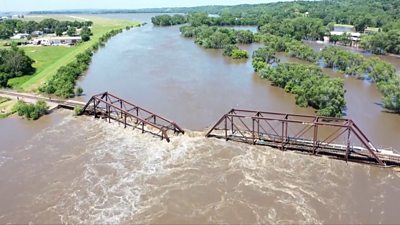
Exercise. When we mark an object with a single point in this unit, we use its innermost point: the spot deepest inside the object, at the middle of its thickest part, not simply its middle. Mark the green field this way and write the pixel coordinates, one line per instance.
(48, 59)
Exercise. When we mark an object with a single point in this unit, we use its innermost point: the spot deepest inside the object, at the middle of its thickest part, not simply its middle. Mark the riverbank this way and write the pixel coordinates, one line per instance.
(50, 58)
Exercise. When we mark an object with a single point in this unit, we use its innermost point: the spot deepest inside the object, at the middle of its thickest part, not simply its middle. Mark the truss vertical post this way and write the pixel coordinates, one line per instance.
(226, 128)
(94, 107)
(120, 104)
(348, 142)
(286, 132)
(253, 131)
(232, 123)
(315, 138)
(283, 134)
(137, 115)
(108, 113)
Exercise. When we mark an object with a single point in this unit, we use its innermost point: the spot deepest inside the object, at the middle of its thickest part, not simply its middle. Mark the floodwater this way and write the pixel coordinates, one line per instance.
(65, 169)
(82, 170)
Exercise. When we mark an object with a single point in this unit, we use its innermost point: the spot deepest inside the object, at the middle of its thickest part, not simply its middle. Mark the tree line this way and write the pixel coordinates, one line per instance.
(374, 68)
(9, 27)
(220, 38)
(382, 42)
(14, 63)
(311, 20)
(282, 27)
(310, 86)
(360, 13)
(168, 20)
(307, 82)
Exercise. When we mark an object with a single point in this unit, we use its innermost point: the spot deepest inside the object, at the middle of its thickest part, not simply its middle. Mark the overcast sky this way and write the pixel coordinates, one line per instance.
(32, 5)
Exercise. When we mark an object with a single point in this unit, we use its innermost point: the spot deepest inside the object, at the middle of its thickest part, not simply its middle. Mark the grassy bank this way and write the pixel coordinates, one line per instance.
(48, 59)
(6, 107)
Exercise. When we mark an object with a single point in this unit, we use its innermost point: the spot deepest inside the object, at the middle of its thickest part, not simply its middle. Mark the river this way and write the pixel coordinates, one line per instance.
(81, 170)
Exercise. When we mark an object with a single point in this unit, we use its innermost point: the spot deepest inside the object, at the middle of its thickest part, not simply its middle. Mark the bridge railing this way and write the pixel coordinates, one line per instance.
(314, 134)
(114, 108)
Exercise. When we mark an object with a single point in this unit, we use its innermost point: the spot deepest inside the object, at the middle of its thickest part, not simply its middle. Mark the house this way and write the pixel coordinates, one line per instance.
(343, 28)
(5, 18)
(37, 33)
(370, 30)
(354, 36)
(54, 41)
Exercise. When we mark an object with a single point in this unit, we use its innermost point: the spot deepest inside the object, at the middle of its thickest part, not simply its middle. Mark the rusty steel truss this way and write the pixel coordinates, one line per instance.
(337, 137)
(111, 107)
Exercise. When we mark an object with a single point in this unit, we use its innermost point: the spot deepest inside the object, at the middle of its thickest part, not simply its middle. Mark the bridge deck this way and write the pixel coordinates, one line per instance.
(52, 102)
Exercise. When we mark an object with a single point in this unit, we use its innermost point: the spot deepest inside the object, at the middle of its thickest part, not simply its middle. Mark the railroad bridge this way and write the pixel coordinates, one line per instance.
(337, 137)
(315, 135)
(111, 107)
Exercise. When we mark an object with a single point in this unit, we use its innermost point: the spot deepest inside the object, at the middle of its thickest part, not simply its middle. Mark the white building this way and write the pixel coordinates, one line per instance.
(355, 36)
(54, 41)
(19, 36)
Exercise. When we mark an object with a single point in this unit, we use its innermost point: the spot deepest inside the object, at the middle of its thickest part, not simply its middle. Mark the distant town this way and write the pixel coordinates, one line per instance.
(22, 31)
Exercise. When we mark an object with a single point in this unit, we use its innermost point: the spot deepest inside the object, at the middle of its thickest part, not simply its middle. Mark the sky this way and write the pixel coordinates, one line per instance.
(36, 5)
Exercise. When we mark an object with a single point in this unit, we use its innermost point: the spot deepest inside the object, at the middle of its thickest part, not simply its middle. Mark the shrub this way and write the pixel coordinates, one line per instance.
(239, 54)
(31, 111)
(77, 110)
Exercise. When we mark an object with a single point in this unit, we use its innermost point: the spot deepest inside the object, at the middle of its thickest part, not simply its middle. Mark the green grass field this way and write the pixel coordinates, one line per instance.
(48, 59)
(6, 107)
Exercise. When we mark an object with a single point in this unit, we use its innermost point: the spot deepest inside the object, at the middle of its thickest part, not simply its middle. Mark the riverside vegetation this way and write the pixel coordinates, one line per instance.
(220, 37)
(283, 26)
(29, 110)
(63, 62)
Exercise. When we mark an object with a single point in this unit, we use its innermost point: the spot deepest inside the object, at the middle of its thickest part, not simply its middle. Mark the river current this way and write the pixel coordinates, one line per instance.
(82, 170)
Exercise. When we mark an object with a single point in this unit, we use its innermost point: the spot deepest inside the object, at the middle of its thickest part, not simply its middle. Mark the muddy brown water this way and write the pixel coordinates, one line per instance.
(64, 169)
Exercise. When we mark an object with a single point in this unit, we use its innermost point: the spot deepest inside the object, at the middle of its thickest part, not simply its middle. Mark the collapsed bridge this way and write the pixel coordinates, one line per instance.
(111, 107)
(316, 135)
(337, 137)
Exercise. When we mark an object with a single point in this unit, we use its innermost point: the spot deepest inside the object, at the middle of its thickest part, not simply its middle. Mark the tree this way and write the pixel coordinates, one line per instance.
(229, 49)
(85, 33)
(59, 31)
(3, 79)
(78, 91)
(31, 111)
(244, 37)
(85, 37)
(5, 31)
(71, 31)
(265, 54)
(240, 54)
(14, 63)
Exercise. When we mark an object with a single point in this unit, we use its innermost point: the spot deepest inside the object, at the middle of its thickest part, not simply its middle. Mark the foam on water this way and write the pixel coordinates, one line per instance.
(114, 179)
(129, 174)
